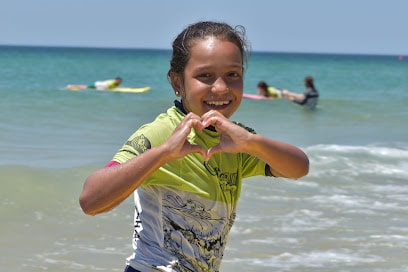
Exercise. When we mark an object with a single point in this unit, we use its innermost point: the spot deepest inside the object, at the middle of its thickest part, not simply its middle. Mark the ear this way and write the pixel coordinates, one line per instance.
(176, 82)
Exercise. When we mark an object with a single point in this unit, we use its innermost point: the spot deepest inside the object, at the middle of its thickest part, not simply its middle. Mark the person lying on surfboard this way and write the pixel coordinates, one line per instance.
(268, 91)
(98, 85)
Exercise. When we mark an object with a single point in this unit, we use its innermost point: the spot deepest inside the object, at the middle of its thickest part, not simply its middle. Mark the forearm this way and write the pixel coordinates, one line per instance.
(284, 160)
(108, 187)
(300, 102)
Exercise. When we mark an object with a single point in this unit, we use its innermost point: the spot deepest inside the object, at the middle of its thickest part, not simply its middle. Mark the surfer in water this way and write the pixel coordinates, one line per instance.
(98, 85)
(268, 91)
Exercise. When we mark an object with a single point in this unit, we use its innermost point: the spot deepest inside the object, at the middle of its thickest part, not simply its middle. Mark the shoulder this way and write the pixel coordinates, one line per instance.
(166, 120)
(311, 92)
(162, 126)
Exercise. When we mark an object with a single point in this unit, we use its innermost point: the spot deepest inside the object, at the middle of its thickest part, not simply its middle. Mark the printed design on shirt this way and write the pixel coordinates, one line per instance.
(140, 143)
(228, 181)
(194, 233)
(138, 226)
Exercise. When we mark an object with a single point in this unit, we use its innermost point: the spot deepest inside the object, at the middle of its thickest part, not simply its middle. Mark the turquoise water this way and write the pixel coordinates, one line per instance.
(348, 214)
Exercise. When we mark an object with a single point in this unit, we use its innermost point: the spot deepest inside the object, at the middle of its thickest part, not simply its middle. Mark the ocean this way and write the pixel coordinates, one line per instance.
(350, 213)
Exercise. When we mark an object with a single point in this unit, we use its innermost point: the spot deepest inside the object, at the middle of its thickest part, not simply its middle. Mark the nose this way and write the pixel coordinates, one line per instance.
(220, 85)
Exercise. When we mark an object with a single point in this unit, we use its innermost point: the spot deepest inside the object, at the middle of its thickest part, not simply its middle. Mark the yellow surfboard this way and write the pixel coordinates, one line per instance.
(130, 90)
(118, 90)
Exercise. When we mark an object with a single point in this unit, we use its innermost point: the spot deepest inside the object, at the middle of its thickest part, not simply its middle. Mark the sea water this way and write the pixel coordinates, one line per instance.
(349, 214)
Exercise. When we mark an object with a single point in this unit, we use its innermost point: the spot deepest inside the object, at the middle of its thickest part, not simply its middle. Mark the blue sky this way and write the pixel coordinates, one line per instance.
(316, 26)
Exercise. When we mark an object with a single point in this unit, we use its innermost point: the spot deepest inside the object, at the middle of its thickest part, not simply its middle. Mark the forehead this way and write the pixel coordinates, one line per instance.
(215, 49)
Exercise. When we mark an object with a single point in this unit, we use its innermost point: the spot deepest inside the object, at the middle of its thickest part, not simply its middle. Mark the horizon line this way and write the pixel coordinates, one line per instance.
(169, 49)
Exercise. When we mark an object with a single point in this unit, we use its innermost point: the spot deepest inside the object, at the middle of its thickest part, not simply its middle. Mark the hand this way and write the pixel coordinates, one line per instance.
(177, 143)
(233, 138)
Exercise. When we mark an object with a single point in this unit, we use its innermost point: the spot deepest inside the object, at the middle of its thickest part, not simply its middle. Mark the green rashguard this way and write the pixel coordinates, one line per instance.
(274, 92)
(185, 210)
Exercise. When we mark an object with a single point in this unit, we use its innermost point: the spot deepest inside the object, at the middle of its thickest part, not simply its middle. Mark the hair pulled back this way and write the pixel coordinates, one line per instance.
(309, 81)
(200, 31)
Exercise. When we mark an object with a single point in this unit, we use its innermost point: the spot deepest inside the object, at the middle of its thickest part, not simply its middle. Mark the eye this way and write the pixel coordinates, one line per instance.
(206, 78)
(204, 75)
(234, 75)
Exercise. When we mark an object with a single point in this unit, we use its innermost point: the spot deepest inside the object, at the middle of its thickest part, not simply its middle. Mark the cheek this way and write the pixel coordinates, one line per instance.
(194, 89)
(191, 97)
(239, 84)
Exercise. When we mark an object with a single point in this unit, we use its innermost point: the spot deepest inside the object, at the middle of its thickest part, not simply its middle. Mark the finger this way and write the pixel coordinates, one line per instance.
(193, 121)
(213, 150)
(190, 148)
(213, 119)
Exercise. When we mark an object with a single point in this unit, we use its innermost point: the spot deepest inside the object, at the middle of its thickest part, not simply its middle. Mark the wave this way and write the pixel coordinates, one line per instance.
(371, 161)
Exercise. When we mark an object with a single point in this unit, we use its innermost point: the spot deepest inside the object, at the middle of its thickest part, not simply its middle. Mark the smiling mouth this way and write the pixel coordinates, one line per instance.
(218, 105)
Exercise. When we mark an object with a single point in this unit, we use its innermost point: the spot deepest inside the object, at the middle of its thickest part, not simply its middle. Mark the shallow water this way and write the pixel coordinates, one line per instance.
(348, 214)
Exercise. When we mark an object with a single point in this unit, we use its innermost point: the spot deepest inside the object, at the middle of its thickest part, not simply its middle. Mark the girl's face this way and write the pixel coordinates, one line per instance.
(213, 78)
(262, 91)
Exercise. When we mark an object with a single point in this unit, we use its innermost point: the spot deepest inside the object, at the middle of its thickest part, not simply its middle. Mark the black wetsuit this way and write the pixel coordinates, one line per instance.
(309, 93)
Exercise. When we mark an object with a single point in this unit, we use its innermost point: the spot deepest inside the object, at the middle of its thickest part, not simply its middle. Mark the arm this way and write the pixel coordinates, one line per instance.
(108, 187)
(295, 97)
(303, 98)
(300, 100)
(284, 160)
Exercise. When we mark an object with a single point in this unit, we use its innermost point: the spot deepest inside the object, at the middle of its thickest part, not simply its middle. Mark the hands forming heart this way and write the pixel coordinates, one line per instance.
(233, 138)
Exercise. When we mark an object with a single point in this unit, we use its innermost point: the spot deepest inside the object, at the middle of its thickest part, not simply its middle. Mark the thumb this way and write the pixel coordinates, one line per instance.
(212, 151)
(190, 148)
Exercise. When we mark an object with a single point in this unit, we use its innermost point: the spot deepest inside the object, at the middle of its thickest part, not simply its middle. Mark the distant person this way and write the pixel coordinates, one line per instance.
(268, 91)
(309, 98)
(98, 85)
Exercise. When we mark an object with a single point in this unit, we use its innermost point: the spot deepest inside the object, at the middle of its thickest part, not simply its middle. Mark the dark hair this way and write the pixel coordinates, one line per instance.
(309, 81)
(199, 31)
(263, 85)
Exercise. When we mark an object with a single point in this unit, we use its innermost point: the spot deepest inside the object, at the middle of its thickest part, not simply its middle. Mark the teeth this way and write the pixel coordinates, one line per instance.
(218, 103)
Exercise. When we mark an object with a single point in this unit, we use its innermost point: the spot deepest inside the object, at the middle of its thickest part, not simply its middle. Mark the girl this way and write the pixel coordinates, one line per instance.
(185, 168)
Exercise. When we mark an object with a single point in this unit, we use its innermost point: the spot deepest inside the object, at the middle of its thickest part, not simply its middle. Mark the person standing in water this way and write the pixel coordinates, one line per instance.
(309, 98)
